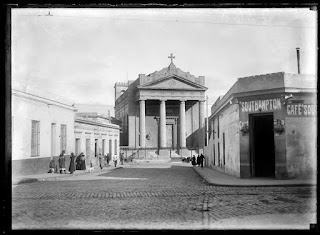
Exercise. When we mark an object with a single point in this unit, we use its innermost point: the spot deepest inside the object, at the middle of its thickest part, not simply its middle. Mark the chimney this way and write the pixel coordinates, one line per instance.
(298, 58)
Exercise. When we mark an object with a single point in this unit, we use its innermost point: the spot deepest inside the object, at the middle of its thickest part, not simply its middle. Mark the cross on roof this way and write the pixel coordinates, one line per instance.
(171, 57)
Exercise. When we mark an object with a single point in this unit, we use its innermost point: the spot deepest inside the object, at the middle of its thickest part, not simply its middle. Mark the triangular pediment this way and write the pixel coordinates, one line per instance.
(173, 82)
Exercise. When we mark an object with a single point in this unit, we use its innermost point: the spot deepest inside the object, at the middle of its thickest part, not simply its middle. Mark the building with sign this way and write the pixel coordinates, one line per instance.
(265, 126)
(162, 113)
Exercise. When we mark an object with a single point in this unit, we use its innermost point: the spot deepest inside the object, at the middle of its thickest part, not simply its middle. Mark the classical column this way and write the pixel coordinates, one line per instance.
(163, 134)
(182, 124)
(142, 123)
(201, 123)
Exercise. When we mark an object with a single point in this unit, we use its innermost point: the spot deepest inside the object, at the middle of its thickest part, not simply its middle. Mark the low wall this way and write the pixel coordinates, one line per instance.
(35, 165)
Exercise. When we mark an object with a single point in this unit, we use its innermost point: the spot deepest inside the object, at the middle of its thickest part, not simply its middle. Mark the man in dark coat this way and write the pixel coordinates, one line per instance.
(101, 161)
(201, 160)
(72, 166)
(198, 160)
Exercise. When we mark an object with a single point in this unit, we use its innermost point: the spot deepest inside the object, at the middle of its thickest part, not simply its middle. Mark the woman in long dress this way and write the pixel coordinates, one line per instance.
(83, 162)
(72, 166)
(78, 162)
(62, 162)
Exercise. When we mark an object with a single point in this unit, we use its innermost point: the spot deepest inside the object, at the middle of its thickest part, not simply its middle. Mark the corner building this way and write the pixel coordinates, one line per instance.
(265, 126)
(162, 113)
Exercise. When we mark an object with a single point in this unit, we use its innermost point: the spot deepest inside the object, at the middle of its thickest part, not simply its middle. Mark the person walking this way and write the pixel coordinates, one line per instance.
(193, 161)
(82, 162)
(62, 162)
(198, 160)
(121, 158)
(115, 160)
(201, 160)
(108, 159)
(101, 161)
(72, 165)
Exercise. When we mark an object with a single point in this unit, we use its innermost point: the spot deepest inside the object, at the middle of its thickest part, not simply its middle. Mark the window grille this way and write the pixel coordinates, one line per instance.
(35, 139)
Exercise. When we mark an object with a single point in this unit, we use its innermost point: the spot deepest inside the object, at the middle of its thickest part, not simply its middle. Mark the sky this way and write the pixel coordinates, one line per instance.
(77, 55)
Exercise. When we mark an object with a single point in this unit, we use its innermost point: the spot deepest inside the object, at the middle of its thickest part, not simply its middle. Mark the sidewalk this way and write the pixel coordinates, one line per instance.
(214, 177)
(56, 176)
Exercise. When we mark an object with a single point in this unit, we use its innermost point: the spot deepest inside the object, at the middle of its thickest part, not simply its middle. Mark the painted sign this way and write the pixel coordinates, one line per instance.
(301, 109)
(261, 105)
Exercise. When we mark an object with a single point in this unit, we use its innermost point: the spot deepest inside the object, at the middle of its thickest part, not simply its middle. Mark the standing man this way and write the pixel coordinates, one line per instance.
(101, 161)
(201, 160)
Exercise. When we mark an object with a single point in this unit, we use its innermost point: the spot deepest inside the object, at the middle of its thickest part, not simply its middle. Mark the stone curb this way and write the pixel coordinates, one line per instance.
(54, 176)
(252, 185)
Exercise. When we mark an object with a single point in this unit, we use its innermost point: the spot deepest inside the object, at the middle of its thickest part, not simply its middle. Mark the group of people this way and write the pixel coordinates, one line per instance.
(198, 161)
(79, 163)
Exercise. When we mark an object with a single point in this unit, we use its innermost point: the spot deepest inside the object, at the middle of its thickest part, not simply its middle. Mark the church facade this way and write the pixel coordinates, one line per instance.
(162, 113)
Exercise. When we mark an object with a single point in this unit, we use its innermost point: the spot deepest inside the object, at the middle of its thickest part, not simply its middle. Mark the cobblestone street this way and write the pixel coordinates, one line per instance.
(167, 196)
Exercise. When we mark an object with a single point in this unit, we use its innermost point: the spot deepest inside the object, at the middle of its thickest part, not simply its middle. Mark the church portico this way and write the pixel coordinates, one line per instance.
(168, 108)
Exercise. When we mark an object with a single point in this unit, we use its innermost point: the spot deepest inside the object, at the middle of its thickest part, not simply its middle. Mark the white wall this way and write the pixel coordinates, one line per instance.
(25, 110)
(229, 124)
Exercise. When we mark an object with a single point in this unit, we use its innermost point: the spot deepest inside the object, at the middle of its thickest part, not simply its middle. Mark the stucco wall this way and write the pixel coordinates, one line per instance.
(192, 125)
(23, 112)
(229, 125)
(301, 144)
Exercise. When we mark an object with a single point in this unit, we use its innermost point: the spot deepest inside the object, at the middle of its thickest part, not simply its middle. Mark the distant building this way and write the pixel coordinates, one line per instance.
(162, 113)
(265, 126)
(95, 133)
(41, 129)
(102, 109)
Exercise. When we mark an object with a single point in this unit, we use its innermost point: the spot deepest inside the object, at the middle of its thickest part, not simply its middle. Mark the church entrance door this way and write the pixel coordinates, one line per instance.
(169, 136)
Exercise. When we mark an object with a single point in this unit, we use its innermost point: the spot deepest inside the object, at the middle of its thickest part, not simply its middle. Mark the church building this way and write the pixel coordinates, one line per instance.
(162, 113)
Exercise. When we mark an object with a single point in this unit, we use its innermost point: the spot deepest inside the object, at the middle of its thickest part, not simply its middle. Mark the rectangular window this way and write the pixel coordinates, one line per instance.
(53, 139)
(110, 147)
(63, 138)
(224, 149)
(115, 147)
(103, 147)
(77, 147)
(35, 139)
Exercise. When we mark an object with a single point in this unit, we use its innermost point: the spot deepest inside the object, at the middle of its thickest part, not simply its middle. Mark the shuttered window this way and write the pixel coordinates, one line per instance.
(63, 138)
(35, 139)
(115, 147)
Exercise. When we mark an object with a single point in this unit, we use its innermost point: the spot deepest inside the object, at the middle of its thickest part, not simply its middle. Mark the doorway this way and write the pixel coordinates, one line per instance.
(262, 145)
(95, 147)
(169, 133)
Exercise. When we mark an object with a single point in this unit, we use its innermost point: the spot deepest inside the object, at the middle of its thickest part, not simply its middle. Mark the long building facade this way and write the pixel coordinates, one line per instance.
(265, 126)
(94, 134)
(42, 128)
(162, 113)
